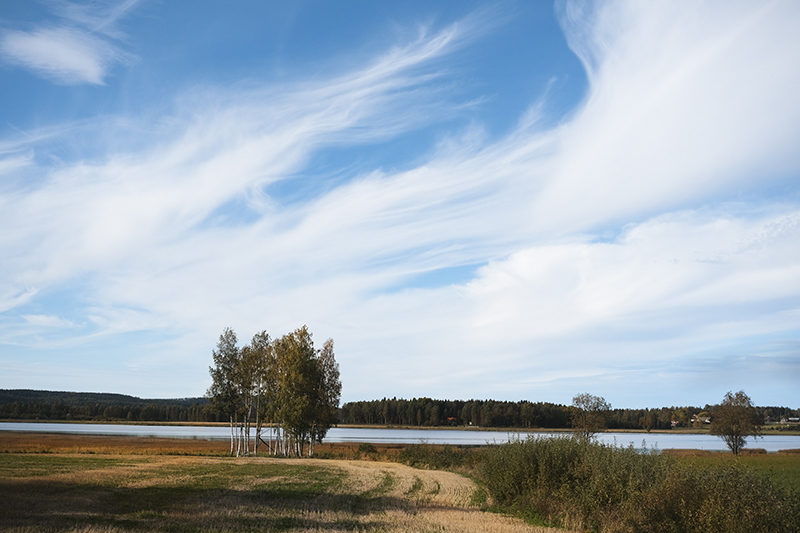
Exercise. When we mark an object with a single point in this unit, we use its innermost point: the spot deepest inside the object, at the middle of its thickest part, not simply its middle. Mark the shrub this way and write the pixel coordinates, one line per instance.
(367, 447)
(426, 455)
(599, 487)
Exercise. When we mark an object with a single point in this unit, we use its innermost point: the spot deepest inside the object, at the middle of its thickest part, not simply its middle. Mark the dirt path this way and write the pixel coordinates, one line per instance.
(433, 500)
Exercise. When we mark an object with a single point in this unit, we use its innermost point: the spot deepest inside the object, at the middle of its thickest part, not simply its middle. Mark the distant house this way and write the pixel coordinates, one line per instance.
(701, 419)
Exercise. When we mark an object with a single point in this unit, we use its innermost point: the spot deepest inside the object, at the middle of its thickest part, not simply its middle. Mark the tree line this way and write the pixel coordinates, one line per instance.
(97, 412)
(284, 389)
(94, 407)
(26, 404)
(522, 414)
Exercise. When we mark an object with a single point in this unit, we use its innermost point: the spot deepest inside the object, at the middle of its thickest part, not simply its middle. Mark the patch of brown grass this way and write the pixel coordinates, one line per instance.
(19, 442)
(689, 452)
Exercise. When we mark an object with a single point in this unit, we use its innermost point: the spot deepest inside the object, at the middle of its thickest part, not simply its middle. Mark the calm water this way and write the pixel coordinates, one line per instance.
(660, 441)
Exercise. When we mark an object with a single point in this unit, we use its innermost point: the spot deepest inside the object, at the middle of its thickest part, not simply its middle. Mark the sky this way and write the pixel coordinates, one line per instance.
(510, 200)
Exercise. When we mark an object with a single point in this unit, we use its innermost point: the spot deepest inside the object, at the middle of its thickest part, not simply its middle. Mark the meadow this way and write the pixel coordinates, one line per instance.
(52, 483)
(114, 484)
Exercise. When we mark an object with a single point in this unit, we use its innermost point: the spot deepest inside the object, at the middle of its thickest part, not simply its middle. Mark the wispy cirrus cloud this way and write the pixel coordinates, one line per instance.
(66, 56)
(78, 50)
(47, 321)
(685, 106)
(87, 215)
(645, 234)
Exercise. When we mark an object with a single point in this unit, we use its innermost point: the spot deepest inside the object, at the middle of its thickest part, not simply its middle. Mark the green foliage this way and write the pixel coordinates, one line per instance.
(224, 391)
(367, 447)
(8, 396)
(598, 487)
(475, 413)
(285, 382)
(18, 404)
(521, 414)
(735, 420)
(437, 456)
(308, 387)
(589, 414)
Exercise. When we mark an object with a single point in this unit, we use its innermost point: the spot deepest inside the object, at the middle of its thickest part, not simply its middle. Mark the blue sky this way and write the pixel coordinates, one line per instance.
(512, 200)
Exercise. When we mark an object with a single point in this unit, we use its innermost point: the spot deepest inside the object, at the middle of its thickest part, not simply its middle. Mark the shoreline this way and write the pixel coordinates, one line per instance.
(21, 442)
(682, 431)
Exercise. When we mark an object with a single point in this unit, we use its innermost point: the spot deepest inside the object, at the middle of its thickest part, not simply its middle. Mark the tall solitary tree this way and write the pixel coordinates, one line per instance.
(589, 414)
(734, 420)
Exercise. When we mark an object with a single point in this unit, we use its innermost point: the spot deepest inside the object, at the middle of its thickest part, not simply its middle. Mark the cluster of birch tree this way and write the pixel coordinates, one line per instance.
(283, 389)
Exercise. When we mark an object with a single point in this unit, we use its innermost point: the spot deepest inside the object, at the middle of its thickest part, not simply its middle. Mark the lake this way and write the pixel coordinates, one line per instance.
(661, 441)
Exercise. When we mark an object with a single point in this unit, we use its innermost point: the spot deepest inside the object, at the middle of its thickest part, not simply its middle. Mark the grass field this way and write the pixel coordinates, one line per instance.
(107, 484)
(57, 482)
(781, 468)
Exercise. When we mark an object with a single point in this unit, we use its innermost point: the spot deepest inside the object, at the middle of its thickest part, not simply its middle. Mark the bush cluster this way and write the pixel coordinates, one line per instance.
(596, 487)
(439, 457)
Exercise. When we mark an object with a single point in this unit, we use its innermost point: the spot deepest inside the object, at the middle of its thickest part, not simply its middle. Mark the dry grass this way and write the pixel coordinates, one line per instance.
(688, 452)
(111, 485)
(21, 442)
(794, 451)
(18, 442)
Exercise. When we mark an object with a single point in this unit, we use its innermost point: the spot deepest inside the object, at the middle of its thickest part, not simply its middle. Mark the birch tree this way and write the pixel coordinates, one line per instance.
(284, 383)
(298, 382)
(329, 393)
(246, 379)
(264, 382)
(223, 393)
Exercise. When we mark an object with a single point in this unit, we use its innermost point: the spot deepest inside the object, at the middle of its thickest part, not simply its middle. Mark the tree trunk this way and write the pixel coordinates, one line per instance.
(232, 435)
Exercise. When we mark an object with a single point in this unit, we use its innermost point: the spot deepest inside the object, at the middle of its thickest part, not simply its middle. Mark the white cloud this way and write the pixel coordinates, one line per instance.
(47, 321)
(78, 51)
(685, 105)
(65, 55)
(661, 276)
(11, 296)
(96, 17)
(89, 217)
(14, 162)
(690, 110)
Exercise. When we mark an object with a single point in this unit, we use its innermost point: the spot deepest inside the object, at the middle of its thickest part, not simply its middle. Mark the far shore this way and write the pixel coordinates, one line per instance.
(686, 431)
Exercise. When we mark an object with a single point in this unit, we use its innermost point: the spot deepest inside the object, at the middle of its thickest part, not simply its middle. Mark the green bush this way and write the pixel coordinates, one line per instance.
(367, 447)
(426, 455)
(597, 487)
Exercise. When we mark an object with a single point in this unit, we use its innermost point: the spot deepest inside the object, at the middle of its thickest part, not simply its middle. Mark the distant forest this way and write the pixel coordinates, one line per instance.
(90, 406)
(522, 414)
(80, 406)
